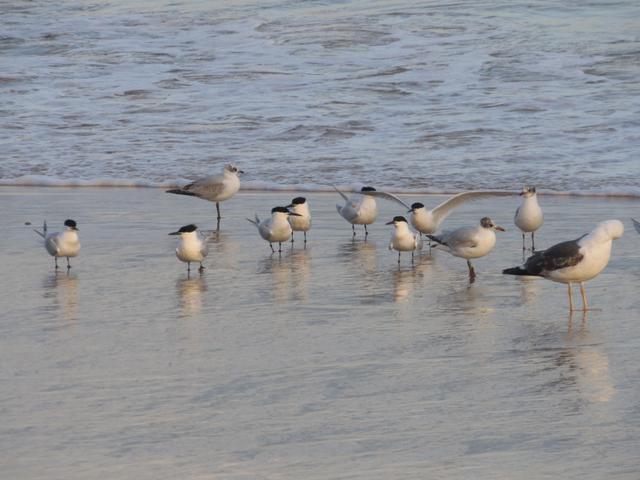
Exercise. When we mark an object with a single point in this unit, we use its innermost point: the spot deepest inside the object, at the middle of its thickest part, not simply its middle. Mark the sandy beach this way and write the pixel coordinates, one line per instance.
(329, 362)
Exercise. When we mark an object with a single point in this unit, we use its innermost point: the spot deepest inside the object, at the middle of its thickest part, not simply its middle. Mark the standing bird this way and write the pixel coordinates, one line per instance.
(215, 188)
(192, 246)
(469, 242)
(575, 260)
(62, 244)
(302, 221)
(276, 228)
(361, 208)
(403, 239)
(528, 216)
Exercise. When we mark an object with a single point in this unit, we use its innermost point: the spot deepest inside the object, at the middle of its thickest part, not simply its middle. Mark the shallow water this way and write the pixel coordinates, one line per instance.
(327, 362)
(427, 95)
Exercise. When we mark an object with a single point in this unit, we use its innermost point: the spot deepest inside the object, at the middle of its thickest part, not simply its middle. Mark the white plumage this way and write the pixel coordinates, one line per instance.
(192, 246)
(62, 244)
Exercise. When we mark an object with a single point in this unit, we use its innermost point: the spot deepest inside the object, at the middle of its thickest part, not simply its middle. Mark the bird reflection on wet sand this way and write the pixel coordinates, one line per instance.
(62, 289)
(190, 293)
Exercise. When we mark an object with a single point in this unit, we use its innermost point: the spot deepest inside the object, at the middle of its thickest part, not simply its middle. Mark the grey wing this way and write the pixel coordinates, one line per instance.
(346, 199)
(207, 186)
(389, 196)
(636, 225)
(464, 237)
(443, 210)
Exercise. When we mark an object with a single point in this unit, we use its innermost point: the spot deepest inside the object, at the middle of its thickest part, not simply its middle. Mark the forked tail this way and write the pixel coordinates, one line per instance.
(43, 234)
(256, 222)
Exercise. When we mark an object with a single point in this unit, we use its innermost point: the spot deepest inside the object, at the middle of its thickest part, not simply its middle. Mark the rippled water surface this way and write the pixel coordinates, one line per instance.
(409, 95)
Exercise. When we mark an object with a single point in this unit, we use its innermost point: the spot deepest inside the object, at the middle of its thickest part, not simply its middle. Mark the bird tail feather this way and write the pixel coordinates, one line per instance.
(256, 222)
(43, 234)
(436, 239)
(515, 271)
(179, 191)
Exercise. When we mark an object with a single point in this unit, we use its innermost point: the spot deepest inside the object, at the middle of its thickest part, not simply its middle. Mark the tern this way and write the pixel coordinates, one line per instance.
(361, 208)
(276, 228)
(62, 244)
(470, 242)
(302, 221)
(574, 261)
(215, 188)
(528, 216)
(403, 239)
(428, 221)
(192, 246)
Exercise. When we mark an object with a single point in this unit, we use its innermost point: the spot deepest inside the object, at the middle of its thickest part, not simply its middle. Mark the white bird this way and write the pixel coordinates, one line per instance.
(62, 244)
(574, 261)
(361, 208)
(428, 221)
(192, 246)
(470, 242)
(302, 221)
(636, 225)
(403, 239)
(276, 228)
(528, 216)
(215, 188)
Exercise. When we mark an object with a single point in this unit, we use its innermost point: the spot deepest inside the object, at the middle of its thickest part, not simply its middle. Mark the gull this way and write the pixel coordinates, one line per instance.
(361, 208)
(470, 242)
(215, 188)
(403, 239)
(62, 244)
(192, 246)
(528, 216)
(574, 261)
(302, 221)
(276, 228)
(636, 225)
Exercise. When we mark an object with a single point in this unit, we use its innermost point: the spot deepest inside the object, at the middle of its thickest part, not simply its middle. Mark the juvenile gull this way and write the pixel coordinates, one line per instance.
(528, 216)
(469, 242)
(215, 188)
(192, 247)
(62, 244)
(574, 261)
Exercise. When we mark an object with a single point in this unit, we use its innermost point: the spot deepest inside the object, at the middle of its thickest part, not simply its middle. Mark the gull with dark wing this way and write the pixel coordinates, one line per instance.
(214, 188)
(574, 261)
(469, 242)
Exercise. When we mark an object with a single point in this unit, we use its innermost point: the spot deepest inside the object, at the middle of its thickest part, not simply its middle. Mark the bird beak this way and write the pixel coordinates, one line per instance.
(410, 211)
(389, 223)
(75, 228)
(522, 193)
(240, 171)
(289, 206)
(295, 214)
(499, 229)
(174, 233)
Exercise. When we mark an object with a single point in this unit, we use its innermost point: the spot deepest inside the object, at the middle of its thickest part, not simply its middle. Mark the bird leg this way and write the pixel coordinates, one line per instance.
(305, 237)
(472, 272)
(533, 245)
(188, 267)
(56, 260)
(291, 237)
(398, 258)
(570, 297)
(353, 227)
(279, 247)
(366, 232)
(523, 243)
(272, 250)
(218, 210)
(68, 264)
(585, 305)
(411, 257)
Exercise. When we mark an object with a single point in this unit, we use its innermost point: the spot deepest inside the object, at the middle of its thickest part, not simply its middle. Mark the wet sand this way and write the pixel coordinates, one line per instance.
(323, 363)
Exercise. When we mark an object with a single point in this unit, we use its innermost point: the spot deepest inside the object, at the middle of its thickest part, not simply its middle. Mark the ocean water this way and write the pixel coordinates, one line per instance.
(410, 96)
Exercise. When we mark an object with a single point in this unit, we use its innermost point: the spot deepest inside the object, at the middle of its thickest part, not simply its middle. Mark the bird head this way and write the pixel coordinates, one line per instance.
(71, 224)
(186, 229)
(367, 189)
(297, 201)
(231, 168)
(528, 191)
(486, 222)
(415, 206)
(397, 220)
